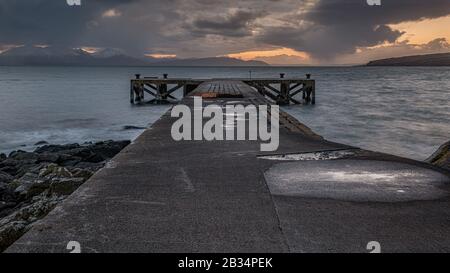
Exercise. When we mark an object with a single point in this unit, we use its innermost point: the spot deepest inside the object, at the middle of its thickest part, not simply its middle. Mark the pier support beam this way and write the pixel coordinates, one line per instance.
(133, 87)
(284, 96)
(162, 92)
(188, 88)
(131, 94)
(136, 90)
(313, 86)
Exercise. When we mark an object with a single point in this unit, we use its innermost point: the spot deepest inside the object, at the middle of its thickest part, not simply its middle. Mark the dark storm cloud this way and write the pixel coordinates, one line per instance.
(137, 26)
(329, 12)
(48, 21)
(324, 28)
(340, 26)
(234, 25)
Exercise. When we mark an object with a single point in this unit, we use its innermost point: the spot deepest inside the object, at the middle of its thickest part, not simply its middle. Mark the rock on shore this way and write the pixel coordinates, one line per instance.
(441, 157)
(33, 183)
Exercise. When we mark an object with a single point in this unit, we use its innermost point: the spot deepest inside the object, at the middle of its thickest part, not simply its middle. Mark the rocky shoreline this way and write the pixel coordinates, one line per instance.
(33, 183)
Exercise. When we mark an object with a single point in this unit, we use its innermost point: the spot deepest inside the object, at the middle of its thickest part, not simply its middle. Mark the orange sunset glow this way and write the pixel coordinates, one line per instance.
(250, 55)
(161, 56)
(416, 33)
(422, 32)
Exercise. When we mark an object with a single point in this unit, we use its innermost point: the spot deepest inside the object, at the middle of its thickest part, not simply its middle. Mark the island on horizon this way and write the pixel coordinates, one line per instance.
(439, 59)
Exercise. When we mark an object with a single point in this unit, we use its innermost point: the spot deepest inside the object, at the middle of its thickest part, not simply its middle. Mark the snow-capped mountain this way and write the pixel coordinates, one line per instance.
(43, 51)
(38, 55)
(48, 55)
(108, 53)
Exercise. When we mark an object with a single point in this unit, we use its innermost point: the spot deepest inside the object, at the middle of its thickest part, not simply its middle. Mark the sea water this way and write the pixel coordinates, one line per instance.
(399, 110)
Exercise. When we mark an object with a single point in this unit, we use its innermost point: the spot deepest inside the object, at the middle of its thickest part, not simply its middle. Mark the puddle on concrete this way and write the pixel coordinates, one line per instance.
(356, 180)
(325, 155)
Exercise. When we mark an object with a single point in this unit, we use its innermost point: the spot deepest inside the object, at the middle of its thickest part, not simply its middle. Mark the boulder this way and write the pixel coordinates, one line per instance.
(26, 168)
(40, 143)
(10, 166)
(441, 157)
(9, 162)
(108, 149)
(48, 157)
(10, 232)
(82, 173)
(5, 177)
(53, 170)
(56, 148)
(33, 183)
(96, 158)
(3, 187)
(82, 152)
(5, 208)
(16, 224)
(29, 185)
(89, 166)
(58, 180)
(65, 186)
(68, 160)
(9, 170)
(21, 156)
(3, 157)
(70, 163)
(13, 153)
(132, 127)
(40, 206)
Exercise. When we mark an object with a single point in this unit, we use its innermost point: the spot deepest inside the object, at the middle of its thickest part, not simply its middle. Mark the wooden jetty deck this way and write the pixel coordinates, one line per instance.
(311, 195)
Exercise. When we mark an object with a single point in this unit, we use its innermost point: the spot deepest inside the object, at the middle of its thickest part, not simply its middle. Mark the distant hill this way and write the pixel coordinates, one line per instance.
(30, 55)
(43, 56)
(213, 61)
(441, 59)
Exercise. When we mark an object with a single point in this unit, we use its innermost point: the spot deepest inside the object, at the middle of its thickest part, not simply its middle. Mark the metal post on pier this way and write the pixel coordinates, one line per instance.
(284, 96)
(305, 89)
(162, 89)
(131, 93)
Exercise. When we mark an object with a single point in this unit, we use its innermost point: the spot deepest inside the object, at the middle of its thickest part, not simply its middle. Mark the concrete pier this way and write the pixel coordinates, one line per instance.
(311, 195)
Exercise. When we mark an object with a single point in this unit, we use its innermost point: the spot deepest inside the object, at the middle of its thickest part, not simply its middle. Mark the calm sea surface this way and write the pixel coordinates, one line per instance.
(402, 111)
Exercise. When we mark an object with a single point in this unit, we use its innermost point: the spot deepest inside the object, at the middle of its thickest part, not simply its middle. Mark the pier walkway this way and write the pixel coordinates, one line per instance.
(311, 195)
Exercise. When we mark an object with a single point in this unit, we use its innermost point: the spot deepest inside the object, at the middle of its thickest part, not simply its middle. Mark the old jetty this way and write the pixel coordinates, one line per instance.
(280, 90)
(311, 195)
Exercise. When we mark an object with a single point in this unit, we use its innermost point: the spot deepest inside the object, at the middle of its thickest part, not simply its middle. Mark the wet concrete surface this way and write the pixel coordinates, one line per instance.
(357, 180)
(159, 195)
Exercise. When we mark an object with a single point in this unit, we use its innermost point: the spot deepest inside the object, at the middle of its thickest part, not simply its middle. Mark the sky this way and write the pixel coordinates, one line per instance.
(294, 32)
